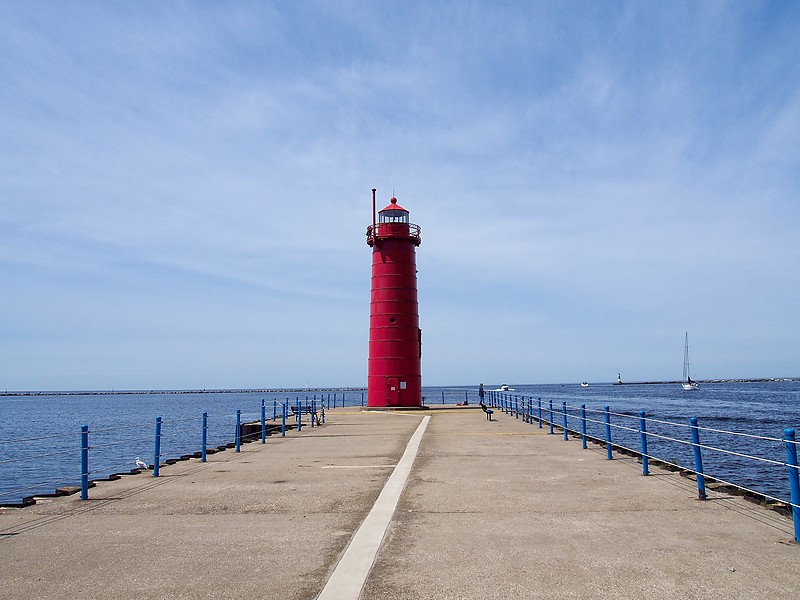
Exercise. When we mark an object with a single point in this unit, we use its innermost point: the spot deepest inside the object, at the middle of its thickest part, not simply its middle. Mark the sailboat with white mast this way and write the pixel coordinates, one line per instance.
(687, 382)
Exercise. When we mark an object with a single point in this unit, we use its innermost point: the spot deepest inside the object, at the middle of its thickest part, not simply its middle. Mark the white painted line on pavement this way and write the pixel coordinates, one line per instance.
(349, 576)
(358, 466)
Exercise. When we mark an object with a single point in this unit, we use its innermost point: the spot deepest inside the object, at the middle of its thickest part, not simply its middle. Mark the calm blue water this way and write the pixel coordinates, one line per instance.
(40, 434)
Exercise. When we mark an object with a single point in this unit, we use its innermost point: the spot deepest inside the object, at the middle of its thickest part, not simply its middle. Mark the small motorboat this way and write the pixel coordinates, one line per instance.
(584, 384)
(504, 388)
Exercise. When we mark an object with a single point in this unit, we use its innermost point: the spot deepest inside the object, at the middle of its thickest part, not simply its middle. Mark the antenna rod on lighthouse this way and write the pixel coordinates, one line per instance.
(374, 222)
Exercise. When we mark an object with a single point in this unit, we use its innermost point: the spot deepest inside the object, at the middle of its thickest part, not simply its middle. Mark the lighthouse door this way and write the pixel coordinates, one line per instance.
(392, 391)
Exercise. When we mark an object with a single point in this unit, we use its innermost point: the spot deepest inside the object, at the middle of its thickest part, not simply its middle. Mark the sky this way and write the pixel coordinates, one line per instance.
(185, 189)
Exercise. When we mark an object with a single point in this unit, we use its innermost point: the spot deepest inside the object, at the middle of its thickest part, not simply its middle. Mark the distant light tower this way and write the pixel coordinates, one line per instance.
(395, 339)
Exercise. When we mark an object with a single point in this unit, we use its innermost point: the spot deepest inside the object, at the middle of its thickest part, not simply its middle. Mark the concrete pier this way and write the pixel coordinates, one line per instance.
(487, 510)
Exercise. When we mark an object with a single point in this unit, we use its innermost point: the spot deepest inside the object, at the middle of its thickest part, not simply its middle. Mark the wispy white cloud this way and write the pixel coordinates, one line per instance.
(591, 180)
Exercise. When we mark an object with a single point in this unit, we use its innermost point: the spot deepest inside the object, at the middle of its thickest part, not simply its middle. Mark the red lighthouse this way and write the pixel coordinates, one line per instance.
(395, 339)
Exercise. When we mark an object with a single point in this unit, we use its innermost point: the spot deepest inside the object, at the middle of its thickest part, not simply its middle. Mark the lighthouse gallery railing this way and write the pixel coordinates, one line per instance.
(390, 230)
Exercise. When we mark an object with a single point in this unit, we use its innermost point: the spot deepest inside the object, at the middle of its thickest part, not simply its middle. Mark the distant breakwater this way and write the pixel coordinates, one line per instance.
(706, 381)
(203, 391)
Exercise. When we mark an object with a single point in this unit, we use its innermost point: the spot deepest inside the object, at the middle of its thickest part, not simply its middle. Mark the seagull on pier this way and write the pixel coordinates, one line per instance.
(141, 464)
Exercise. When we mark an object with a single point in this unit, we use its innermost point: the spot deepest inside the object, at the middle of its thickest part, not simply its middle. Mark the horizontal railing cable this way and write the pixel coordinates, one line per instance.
(116, 428)
(625, 415)
(624, 428)
(740, 434)
(33, 456)
(671, 423)
(739, 454)
(713, 448)
(699, 428)
(38, 485)
(719, 480)
(121, 444)
(669, 439)
(39, 438)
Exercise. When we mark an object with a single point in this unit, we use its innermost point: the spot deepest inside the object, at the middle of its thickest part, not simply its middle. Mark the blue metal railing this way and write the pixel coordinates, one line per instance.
(599, 425)
(107, 453)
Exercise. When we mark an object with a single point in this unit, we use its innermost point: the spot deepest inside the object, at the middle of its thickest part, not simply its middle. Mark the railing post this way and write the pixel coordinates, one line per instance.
(794, 480)
(466, 397)
(551, 417)
(606, 410)
(516, 406)
(564, 411)
(323, 415)
(84, 462)
(299, 417)
(205, 438)
(313, 411)
(643, 436)
(157, 448)
(283, 419)
(274, 410)
(238, 429)
(698, 459)
(442, 396)
(583, 426)
(540, 413)
(263, 421)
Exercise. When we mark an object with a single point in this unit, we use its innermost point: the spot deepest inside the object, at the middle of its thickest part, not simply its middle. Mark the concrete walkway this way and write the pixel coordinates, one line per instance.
(489, 510)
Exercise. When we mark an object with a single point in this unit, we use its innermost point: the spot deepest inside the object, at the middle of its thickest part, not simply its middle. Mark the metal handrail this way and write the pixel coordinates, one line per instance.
(414, 232)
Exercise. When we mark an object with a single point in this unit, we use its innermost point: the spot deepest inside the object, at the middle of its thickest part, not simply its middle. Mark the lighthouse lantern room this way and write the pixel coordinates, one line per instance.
(395, 339)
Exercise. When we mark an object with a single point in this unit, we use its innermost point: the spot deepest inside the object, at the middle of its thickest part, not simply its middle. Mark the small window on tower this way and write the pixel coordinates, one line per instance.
(392, 319)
